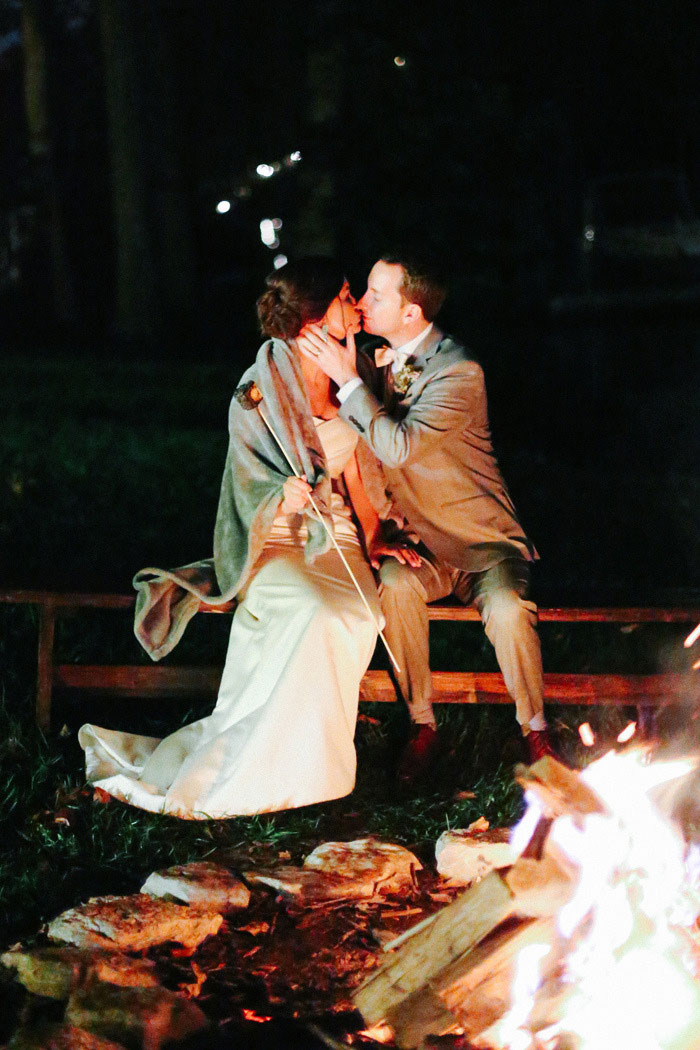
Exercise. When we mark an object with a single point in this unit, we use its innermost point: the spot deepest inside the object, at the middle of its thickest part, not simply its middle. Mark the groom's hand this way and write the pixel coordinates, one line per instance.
(402, 551)
(336, 360)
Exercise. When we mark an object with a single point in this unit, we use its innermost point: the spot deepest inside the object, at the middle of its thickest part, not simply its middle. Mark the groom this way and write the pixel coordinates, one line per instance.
(429, 427)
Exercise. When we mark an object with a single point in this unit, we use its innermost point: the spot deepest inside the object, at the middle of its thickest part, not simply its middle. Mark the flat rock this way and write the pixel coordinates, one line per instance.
(55, 972)
(57, 1036)
(465, 856)
(335, 871)
(133, 923)
(143, 1017)
(209, 885)
(310, 887)
(389, 868)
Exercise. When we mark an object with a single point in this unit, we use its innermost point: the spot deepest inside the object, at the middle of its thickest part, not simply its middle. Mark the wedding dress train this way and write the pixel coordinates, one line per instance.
(281, 733)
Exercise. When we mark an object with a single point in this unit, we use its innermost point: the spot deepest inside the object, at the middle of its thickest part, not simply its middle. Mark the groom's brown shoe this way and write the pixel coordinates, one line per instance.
(538, 744)
(419, 756)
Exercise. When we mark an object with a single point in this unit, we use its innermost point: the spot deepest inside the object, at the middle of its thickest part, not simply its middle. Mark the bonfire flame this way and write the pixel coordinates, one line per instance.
(623, 958)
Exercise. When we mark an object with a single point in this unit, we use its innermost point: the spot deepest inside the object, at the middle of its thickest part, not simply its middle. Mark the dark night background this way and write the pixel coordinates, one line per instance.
(549, 151)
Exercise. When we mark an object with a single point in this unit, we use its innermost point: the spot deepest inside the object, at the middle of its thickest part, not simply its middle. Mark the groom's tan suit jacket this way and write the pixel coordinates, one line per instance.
(435, 444)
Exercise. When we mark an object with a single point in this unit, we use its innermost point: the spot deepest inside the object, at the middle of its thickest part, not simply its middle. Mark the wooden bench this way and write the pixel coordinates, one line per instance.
(463, 687)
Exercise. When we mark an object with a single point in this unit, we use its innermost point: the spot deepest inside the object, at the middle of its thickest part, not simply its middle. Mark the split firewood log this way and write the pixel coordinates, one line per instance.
(454, 930)
(467, 950)
(559, 790)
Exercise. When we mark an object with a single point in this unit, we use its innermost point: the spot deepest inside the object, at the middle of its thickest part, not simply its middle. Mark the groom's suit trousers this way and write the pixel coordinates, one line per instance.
(509, 619)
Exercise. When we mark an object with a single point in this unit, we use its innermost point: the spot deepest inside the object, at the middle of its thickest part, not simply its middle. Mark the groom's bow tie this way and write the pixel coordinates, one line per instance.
(385, 355)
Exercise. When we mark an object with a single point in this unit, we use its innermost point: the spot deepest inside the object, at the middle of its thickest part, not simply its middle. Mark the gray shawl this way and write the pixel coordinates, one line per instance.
(251, 493)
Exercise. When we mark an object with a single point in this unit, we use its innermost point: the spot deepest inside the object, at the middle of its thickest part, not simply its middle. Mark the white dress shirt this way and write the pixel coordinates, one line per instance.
(402, 355)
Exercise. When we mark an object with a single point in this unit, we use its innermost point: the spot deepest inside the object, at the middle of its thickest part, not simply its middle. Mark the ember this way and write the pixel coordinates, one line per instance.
(192, 990)
(251, 1015)
(587, 735)
(627, 733)
(692, 637)
(691, 640)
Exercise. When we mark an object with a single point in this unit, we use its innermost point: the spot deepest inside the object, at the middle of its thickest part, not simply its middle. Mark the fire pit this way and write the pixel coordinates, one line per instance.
(589, 941)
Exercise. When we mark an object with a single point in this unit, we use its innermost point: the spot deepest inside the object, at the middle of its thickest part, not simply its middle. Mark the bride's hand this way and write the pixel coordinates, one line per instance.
(295, 495)
(403, 552)
(336, 360)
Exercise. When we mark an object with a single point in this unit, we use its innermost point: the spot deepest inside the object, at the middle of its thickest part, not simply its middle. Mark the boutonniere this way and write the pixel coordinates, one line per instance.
(405, 376)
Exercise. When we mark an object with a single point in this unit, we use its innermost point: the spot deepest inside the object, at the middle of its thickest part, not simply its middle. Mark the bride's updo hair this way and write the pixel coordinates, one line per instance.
(299, 292)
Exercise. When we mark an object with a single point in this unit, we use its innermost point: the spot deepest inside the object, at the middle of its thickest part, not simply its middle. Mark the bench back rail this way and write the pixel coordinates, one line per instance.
(464, 687)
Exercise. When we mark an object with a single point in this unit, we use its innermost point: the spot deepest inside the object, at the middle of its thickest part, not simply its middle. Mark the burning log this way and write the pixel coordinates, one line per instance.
(468, 949)
(452, 933)
(465, 954)
(472, 993)
(559, 790)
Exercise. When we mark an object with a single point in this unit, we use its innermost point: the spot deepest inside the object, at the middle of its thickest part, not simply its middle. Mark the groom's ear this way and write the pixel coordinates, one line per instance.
(412, 312)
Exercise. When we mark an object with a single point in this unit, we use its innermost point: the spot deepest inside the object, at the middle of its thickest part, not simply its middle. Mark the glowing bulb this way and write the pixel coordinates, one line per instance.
(589, 233)
(400, 61)
(265, 171)
(295, 157)
(279, 261)
(223, 206)
(267, 233)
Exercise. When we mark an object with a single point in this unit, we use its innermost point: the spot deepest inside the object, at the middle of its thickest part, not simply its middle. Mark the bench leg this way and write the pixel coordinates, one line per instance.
(44, 674)
(647, 727)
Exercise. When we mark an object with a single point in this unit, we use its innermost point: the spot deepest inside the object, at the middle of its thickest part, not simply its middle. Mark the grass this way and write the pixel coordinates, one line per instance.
(60, 846)
(106, 468)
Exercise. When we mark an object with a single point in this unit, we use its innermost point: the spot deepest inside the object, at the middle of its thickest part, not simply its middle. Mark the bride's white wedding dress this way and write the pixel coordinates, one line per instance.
(281, 733)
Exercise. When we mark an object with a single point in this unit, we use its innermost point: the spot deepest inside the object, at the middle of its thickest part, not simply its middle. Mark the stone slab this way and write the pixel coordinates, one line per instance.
(58, 1036)
(55, 972)
(145, 1017)
(210, 885)
(310, 887)
(133, 923)
(465, 856)
(389, 868)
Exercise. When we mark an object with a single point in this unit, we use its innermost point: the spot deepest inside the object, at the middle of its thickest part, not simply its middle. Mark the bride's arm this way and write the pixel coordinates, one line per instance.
(366, 515)
(370, 523)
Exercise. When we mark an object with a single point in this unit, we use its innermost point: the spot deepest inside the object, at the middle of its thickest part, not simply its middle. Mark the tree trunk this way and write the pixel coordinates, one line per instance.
(58, 292)
(155, 267)
(138, 313)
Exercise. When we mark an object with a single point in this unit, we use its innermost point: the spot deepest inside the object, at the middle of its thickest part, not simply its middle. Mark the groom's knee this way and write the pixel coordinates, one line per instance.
(398, 582)
(507, 615)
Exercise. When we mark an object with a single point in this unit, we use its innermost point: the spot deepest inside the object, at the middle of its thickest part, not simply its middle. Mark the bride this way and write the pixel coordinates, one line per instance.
(281, 733)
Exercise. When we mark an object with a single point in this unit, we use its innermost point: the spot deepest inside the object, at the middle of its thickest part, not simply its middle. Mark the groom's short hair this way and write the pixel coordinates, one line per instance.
(423, 281)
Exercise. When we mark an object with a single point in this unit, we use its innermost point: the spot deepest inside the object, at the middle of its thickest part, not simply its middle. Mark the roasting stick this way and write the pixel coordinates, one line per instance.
(250, 397)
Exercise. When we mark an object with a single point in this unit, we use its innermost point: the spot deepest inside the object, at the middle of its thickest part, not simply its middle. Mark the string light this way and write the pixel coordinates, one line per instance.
(268, 234)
